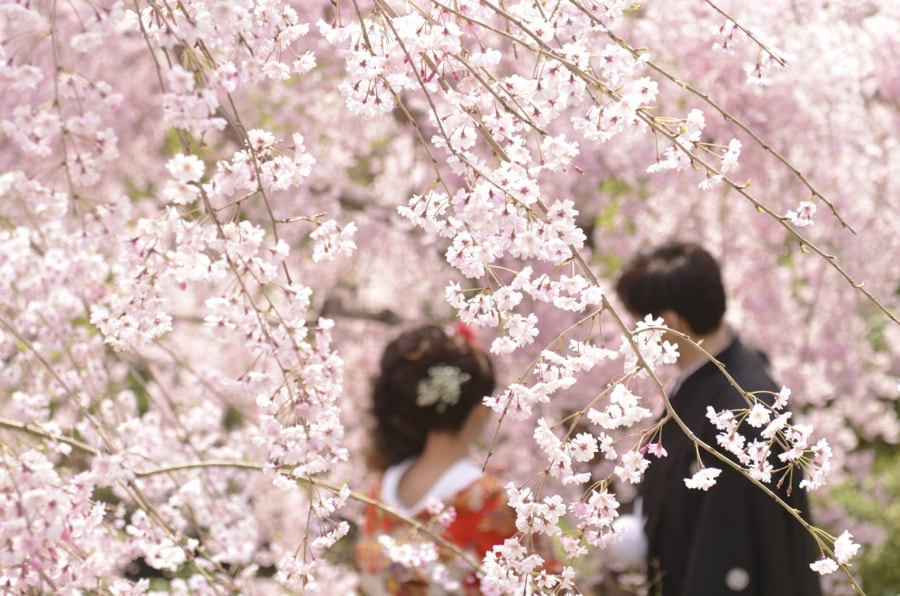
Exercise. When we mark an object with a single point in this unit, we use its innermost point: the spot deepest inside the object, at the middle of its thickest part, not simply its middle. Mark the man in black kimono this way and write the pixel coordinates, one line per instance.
(732, 538)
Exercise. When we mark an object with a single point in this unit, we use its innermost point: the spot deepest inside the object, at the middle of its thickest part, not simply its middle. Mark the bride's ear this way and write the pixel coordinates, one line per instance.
(476, 421)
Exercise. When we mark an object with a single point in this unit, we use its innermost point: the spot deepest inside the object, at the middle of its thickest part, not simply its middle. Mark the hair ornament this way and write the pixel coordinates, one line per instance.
(442, 387)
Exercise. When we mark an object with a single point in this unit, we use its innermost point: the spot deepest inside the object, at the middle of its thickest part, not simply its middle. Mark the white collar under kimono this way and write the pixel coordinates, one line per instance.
(457, 477)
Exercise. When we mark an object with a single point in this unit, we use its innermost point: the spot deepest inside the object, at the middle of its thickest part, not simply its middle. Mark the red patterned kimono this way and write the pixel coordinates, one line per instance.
(483, 519)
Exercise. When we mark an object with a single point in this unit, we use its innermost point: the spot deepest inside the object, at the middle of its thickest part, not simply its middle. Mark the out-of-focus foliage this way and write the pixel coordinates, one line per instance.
(875, 499)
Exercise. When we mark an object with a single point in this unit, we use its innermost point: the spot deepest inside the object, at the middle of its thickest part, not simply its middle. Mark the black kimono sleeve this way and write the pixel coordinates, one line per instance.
(733, 538)
(746, 543)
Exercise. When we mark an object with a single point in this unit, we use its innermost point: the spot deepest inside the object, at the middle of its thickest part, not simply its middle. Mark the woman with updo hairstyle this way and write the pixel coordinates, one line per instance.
(427, 410)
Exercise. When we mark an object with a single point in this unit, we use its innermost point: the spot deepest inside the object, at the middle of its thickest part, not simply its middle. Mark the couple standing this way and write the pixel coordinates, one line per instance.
(730, 539)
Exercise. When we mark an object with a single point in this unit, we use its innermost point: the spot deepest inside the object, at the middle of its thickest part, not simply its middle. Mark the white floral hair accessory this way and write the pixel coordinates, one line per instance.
(441, 388)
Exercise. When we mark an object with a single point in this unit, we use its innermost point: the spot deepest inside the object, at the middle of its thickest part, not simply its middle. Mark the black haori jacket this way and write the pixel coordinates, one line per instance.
(733, 538)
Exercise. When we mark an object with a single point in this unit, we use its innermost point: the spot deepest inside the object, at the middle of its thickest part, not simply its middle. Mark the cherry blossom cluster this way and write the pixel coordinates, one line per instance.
(127, 274)
(53, 534)
(844, 550)
(592, 516)
(510, 566)
(571, 460)
(553, 372)
(769, 426)
(420, 556)
(496, 306)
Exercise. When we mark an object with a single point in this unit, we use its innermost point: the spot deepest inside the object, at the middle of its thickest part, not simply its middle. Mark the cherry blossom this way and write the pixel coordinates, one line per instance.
(214, 214)
(703, 479)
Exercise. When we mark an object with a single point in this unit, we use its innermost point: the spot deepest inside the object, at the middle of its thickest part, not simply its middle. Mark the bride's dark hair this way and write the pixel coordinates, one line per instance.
(402, 418)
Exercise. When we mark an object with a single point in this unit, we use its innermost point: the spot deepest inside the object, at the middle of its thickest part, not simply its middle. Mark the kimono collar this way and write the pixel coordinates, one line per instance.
(457, 477)
(688, 372)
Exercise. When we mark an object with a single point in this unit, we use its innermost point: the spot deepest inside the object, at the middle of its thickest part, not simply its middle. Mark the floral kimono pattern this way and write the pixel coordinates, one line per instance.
(395, 558)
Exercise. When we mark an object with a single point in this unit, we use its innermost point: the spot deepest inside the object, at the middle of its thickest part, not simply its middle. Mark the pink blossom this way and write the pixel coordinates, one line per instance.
(844, 548)
(583, 447)
(803, 216)
(185, 168)
(632, 467)
(781, 400)
(703, 479)
(824, 566)
(657, 449)
(759, 415)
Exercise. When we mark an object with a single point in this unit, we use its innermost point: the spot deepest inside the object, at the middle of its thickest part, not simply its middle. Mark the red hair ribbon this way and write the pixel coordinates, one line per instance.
(468, 333)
